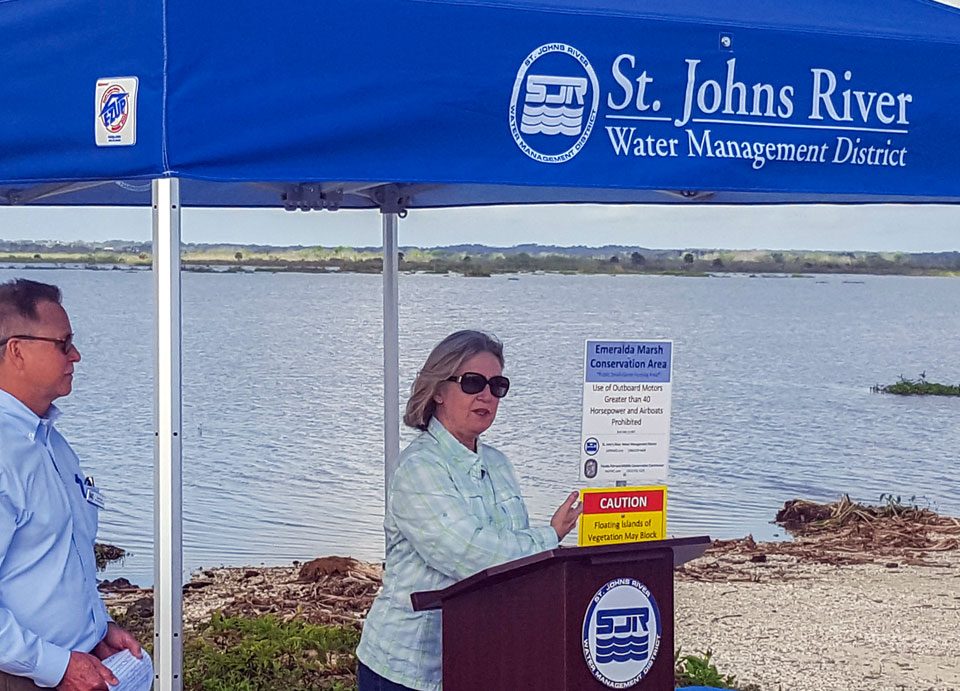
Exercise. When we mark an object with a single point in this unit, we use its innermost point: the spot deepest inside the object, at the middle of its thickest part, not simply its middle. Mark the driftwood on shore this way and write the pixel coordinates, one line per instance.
(841, 533)
(329, 590)
(105, 554)
(340, 590)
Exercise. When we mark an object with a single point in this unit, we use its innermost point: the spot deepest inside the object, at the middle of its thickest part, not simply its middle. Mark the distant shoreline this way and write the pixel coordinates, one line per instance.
(477, 260)
(473, 269)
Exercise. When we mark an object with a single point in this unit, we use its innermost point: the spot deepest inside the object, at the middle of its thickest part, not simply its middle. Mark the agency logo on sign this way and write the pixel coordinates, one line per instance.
(621, 633)
(554, 104)
(116, 111)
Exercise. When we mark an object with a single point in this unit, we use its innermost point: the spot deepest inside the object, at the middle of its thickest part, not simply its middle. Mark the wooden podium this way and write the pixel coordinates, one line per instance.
(571, 619)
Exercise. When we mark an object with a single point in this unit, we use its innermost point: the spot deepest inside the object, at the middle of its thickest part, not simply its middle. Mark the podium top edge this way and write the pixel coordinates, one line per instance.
(684, 549)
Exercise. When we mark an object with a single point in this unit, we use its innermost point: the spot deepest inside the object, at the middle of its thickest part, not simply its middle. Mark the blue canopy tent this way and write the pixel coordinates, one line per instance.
(472, 103)
(404, 104)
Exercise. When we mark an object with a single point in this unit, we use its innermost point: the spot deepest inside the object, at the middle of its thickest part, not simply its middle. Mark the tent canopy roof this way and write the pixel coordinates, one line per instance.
(906, 19)
(425, 103)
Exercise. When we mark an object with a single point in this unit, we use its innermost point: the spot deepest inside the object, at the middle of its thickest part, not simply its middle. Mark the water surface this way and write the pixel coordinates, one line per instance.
(283, 414)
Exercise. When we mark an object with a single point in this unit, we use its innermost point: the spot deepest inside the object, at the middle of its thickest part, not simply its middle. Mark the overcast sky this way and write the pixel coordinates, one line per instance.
(872, 228)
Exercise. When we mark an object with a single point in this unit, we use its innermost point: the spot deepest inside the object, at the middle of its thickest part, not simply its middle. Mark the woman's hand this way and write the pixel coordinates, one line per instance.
(566, 516)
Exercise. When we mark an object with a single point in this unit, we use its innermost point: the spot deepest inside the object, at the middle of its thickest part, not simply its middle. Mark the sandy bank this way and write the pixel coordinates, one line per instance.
(866, 604)
(787, 625)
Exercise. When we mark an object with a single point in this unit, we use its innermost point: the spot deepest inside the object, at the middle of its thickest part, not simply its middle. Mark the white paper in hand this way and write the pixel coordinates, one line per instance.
(133, 674)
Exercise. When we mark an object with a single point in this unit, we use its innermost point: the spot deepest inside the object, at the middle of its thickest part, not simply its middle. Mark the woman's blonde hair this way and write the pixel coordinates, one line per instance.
(444, 361)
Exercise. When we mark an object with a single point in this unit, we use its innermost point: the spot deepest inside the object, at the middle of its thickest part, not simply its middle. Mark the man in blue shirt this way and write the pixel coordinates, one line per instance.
(54, 628)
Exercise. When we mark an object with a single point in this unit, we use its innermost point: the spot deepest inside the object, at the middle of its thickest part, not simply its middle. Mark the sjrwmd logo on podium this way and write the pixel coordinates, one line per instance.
(621, 633)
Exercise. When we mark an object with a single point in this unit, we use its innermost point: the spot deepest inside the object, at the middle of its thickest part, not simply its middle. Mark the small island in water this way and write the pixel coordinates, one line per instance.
(918, 387)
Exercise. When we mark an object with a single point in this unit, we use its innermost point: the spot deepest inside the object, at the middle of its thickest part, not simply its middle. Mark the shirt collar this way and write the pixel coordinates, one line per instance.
(470, 461)
(24, 419)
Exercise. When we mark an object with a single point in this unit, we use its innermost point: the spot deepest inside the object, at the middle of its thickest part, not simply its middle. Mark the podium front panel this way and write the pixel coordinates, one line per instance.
(637, 630)
(527, 633)
(507, 636)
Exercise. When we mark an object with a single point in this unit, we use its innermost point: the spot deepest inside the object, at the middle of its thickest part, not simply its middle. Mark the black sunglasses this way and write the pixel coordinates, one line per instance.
(473, 382)
(65, 344)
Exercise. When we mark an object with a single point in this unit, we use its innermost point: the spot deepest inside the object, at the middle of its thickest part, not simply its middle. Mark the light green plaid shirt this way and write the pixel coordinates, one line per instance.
(452, 513)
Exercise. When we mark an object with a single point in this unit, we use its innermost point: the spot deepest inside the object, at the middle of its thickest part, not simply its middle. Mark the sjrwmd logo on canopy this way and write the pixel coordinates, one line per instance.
(621, 633)
(554, 104)
(116, 111)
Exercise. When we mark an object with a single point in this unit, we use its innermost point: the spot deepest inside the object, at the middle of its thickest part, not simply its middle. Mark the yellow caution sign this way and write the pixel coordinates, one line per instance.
(622, 514)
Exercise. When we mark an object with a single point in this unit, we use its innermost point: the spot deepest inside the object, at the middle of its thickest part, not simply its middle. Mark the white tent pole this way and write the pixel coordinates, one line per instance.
(168, 452)
(391, 351)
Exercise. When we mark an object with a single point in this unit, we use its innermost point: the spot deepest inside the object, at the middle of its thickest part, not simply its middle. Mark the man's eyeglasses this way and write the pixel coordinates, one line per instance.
(473, 382)
(64, 344)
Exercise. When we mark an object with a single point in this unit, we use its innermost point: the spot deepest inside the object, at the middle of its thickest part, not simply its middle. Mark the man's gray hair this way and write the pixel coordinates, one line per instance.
(18, 303)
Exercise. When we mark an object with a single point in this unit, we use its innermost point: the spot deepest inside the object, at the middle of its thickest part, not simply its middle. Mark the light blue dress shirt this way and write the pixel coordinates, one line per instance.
(49, 603)
(452, 513)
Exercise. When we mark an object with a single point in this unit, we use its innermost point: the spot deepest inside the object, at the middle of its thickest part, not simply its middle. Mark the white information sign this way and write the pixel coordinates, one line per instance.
(625, 435)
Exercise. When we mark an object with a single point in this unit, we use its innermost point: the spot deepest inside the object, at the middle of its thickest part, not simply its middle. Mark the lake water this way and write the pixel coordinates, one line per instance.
(282, 386)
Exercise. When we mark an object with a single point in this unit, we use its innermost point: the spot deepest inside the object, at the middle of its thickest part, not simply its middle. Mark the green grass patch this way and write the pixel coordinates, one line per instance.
(699, 670)
(265, 654)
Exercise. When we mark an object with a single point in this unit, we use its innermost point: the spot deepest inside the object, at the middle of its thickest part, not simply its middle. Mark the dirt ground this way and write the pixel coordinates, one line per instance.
(863, 598)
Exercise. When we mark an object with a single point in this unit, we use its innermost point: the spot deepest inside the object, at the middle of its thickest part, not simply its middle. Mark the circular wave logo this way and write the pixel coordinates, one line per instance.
(554, 104)
(621, 633)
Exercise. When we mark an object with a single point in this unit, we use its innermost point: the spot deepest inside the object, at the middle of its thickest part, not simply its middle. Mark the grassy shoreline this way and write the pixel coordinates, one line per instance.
(322, 260)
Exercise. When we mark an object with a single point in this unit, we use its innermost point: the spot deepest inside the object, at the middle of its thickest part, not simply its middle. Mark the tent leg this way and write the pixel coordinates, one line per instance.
(391, 351)
(168, 456)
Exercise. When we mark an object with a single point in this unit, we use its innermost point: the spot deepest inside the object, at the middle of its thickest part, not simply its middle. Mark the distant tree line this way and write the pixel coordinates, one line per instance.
(477, 260)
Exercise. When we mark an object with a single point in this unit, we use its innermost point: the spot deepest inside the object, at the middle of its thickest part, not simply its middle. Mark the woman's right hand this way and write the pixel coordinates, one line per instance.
(566, 516)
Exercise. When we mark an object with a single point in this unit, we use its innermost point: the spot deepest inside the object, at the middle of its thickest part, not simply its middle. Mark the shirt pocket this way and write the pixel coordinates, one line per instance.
(477, 507)
(90, 515)
(49, 508)
(513, 512)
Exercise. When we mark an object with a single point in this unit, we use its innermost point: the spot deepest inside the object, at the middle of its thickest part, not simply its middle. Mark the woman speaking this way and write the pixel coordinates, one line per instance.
(454, 509)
